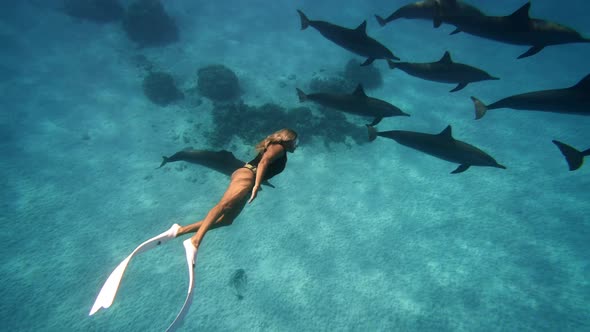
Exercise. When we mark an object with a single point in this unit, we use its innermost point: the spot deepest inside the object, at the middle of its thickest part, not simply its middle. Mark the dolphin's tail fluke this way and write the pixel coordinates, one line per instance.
(164, 161)
(391, 64)
(372, 133)
(304, 20)
(573, 156)
(302, 96)
(480, 108)
(456, 31)
(382, 22)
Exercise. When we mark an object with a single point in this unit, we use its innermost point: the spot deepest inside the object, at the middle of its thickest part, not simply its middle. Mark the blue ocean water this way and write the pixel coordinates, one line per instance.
(356, 236)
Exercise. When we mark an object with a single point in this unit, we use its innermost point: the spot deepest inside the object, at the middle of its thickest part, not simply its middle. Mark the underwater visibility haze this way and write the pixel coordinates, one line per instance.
(120, 118)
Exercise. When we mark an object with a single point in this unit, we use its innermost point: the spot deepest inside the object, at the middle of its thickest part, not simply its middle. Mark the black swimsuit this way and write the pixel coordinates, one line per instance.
(274, 168)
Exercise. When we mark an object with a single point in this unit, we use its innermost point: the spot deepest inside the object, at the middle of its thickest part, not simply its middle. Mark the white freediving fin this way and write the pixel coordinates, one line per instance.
(107, 293)
(191, 256)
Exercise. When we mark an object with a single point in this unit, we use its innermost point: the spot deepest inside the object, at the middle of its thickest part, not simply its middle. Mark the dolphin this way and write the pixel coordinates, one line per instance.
(222, 161)
(444, 70)
(572, 100)
(442, 146)
(573, 156)
(518, 29)
(447, 10)
(355, 40)
(355, 103)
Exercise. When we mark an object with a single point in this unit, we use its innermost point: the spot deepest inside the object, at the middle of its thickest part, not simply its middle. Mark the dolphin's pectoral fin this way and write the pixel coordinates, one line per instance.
(459, 86)
(368, 62)
(456, 31)
(532, 51)
(462, 168)
(266, 183)
(375, 121)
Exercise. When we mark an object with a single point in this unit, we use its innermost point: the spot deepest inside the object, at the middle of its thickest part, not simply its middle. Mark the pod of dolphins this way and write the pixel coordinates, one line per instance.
(518, 28)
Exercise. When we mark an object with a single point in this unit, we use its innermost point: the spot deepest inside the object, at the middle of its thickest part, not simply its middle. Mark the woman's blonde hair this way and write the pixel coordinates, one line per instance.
(283, 135)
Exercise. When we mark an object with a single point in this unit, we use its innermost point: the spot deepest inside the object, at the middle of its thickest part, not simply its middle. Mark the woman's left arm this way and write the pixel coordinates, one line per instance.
(273, 152)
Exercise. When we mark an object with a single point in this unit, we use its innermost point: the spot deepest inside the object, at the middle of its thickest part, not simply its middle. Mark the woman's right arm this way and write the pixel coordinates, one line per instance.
(273, 152)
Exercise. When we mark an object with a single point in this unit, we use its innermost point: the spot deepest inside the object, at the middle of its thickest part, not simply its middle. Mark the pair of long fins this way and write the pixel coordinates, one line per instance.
(109, 290)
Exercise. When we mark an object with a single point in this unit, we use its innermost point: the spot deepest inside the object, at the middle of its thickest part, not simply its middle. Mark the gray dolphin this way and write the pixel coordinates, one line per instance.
(518, 29)
(573, 156)
(572, 100)
(442, 146)
(447, 10)
(444, 70)
(354, 103)
(355, 40)
(222, 161)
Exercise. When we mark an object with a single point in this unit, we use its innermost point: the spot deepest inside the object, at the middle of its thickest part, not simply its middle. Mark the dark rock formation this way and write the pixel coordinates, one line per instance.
(250, 122)
(218, 83)
(161, 89)
(101, 11)
(369, 76)
(147, 23)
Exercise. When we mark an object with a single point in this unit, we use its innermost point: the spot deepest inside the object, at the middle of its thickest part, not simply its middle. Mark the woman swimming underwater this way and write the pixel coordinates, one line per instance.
(243, 187)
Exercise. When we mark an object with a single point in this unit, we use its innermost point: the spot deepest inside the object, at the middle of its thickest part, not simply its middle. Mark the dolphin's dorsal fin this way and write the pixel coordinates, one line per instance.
(359, 91)
(446, 58)
(362, 28)
(521, 14)
(447, 133)
(584, 83)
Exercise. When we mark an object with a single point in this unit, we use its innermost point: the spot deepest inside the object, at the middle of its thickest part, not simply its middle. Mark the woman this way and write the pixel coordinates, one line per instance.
(245, 183)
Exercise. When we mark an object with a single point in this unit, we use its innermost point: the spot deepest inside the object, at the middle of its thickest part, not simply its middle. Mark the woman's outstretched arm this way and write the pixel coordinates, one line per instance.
(273, 152)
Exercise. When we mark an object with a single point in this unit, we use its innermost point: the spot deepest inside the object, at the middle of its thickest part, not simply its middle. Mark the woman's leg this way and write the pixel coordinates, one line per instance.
(229, 207)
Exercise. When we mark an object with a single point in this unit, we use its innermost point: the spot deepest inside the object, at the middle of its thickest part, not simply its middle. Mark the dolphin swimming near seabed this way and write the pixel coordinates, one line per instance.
(447, 10)
(442, 146)
(573, 156)
(221, 161)
(355, 40)
(572, 100)
(445, 71)
(357, 103)
(518, 29)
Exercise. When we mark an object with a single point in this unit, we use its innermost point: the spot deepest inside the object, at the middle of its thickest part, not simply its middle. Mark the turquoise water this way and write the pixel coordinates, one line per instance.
(356, 236)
